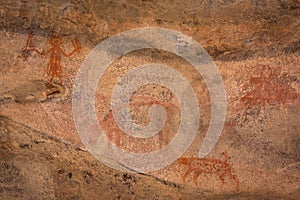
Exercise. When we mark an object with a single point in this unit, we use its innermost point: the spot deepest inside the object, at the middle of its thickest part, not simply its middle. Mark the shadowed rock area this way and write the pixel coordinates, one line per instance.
(36, 166)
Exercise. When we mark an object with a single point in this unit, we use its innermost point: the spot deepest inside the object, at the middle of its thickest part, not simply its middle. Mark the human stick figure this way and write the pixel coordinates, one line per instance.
(54, 68)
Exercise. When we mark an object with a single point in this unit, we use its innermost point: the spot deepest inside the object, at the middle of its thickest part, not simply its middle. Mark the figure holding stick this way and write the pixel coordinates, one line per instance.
(54, 68)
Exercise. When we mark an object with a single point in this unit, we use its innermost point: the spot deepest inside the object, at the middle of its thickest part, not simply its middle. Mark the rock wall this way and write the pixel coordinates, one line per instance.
(255, 46)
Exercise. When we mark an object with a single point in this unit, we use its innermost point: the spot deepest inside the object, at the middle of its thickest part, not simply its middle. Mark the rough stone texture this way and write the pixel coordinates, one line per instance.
(255, 45)
(37, 166)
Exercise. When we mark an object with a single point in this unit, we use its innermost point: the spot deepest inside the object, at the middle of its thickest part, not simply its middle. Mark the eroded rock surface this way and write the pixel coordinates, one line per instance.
(36, 166)
(255, 45)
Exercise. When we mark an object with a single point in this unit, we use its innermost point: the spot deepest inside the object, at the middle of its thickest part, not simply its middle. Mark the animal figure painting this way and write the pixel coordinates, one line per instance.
(210, 166)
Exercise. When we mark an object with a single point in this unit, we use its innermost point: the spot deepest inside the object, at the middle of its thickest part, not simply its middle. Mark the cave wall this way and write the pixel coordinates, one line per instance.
(255, 46)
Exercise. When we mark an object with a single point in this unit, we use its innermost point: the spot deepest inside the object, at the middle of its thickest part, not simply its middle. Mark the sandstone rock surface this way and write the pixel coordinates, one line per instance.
(254, 43)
